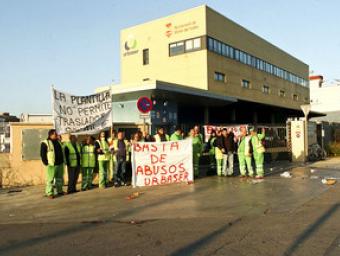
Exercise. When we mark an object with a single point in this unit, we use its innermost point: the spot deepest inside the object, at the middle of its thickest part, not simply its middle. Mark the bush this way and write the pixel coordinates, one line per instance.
(333, 149)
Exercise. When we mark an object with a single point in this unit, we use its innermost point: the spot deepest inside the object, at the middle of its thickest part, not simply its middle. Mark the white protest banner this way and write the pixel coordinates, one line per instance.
(159, 163)
(81, 114)
(236, 129)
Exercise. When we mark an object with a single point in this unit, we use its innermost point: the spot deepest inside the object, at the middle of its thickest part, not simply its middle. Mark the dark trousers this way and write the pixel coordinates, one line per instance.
(121, 170)
(73, 174)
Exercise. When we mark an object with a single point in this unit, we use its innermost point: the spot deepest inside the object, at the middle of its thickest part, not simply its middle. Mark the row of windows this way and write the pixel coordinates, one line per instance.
(245, 58)
(185, 46)
(266, 90)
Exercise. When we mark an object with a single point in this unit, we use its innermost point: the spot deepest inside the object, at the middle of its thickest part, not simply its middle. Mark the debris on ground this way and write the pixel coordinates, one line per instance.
(256, 181)
(312, 170)
(328, 181)
(134, 195)
(286, 175)
(314, 177)
(14, 190)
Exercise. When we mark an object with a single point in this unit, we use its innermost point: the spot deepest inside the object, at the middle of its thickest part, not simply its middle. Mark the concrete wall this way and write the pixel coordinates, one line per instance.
(19, 172)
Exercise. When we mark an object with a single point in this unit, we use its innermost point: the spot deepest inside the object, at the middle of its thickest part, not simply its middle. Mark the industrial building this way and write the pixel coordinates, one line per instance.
(199, 67)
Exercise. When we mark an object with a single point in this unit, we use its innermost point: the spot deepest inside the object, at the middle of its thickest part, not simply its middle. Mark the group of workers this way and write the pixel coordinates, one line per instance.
(113, 154)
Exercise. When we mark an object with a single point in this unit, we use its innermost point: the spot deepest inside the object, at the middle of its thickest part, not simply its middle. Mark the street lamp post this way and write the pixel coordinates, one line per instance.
(306, 109)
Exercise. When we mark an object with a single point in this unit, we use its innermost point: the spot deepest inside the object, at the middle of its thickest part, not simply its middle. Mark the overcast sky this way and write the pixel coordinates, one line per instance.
(74, 44)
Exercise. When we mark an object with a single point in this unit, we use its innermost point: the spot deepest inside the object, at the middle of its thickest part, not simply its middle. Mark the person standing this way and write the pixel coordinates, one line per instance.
(218, 152)
(258, 151)
(73, 158)
(244, 153)
(228, 149)
(198, 133)
(52, 156)
(211, 151)
(122, 149)
(147, 137)
(103, 157)
(88, 163)
(197, 147)
(161, 136)
(177, 135)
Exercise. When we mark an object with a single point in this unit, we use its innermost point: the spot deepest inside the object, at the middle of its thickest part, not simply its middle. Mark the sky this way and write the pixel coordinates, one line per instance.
(74, 44)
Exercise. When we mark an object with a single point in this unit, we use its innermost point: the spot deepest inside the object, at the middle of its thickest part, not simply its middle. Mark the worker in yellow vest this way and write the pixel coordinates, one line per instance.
(258, 151)
(103, 157)
(88, 163)
(218, 152)
(73, 158)
(161, 135)
(121, 148)
(51, 153)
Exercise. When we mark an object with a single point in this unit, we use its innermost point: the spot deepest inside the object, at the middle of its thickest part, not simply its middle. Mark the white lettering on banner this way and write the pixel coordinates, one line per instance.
(81, 114)
(159, 163)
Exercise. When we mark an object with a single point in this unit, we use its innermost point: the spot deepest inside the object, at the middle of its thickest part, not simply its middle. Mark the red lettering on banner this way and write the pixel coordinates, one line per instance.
(153, 148)
(136, 147)
(174, 145)
(164, 170)
(176, 177)
(163, 180)
(147, 181)
(186, 175)
(170, 179)
(181, 167)
(172, 167)
(139, 170)
(157, 159)
(147, 170)
(154, 181)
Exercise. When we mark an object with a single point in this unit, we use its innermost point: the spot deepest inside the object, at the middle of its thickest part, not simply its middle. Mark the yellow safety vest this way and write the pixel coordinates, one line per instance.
(104, 146)
(50, 152)
(88, 156)
(73, 154)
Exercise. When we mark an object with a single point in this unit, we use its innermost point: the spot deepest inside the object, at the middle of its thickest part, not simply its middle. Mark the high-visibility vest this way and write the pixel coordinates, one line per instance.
(104, 146)
(257, 145)
(127, 148)
(88, 156)
(158, 138)
(72, 157)
(50, 151)
(176, 137)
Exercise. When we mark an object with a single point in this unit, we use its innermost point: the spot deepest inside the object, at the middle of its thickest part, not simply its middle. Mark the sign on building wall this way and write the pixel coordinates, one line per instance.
(161, 163)
(31, 140)
(81, 114)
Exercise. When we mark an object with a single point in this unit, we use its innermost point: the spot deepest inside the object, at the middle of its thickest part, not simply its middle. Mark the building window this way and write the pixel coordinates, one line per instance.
(295, 97)
(265, 89)
(219, 77)
(176, 48)
(146, 57)
(187, 46)
(245, 84)
(306, 100)
(236, 54)
(282, 93)
(192, 44)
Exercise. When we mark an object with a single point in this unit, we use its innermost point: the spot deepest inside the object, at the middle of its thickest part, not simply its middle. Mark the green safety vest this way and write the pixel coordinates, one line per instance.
(50, 151)
(197, 145)
(72, 153)
(88, 156)
(158, 138)
(175, 137)
(104, 146)
(257, 145)
(127, 148)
